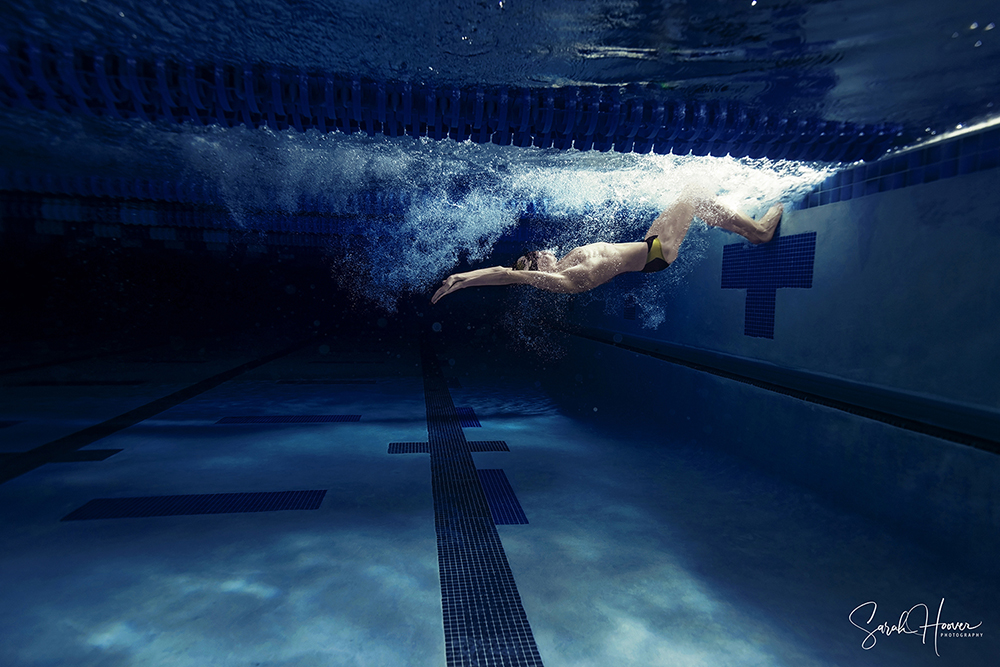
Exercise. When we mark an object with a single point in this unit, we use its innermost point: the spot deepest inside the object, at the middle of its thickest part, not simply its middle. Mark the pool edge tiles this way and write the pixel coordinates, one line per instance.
(484, 620)
(970, 153)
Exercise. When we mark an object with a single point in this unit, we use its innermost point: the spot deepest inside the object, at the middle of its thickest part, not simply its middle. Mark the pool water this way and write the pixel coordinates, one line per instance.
(235, 431)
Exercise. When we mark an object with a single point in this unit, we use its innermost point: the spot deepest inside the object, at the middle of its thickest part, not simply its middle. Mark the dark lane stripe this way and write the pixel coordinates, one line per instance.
(484, 621)
(212, 503)
(61, 449)
(77, 383)
(289, 419)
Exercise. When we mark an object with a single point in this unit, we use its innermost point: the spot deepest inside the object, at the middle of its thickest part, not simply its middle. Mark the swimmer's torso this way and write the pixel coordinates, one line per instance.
(597, 263)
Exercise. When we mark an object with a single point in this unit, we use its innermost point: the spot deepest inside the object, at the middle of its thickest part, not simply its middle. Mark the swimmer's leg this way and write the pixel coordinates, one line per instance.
(672, 225)
(755, 231)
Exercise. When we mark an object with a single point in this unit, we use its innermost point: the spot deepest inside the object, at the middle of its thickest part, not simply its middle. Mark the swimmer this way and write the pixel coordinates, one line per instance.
(588, 266)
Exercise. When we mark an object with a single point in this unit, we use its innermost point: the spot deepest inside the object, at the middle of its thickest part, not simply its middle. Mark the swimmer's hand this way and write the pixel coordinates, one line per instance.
(495, 275)
(448, 285)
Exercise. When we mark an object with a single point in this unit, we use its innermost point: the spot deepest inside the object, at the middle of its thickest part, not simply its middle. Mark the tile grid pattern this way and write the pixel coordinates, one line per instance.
(425, 448)
(762, 270)
(964, 155)
(467, 418)
(212, 503)
(484, 621)
(503, 503)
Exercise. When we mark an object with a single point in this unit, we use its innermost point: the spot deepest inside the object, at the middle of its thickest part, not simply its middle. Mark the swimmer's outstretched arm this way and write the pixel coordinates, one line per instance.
(501, 275)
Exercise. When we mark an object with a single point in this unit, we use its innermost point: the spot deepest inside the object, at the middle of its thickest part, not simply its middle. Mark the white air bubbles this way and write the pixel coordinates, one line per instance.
(121, 14)
(990, 26)
(754, 3)
(973, 26)
(412, 210)
(978, 43)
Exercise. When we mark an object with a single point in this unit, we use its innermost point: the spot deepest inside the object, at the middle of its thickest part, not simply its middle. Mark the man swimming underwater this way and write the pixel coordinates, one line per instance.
(588, 266)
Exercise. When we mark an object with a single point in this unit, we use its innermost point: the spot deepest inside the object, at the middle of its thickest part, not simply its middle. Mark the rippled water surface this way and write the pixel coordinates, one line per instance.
(902, 61)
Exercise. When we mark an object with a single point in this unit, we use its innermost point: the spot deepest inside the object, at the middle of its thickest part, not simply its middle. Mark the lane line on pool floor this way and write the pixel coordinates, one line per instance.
(66, 448)
(484, 620)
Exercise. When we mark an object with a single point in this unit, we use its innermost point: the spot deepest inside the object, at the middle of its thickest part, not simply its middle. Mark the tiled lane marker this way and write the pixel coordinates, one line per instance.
(208, 503)
(762, 270)
(484, 621)
(65, 448)
(289, 419)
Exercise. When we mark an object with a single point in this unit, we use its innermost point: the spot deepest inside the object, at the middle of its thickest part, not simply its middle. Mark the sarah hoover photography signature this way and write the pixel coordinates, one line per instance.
(913, 621)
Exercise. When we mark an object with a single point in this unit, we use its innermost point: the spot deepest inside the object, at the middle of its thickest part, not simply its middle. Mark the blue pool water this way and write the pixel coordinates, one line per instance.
(235, 431)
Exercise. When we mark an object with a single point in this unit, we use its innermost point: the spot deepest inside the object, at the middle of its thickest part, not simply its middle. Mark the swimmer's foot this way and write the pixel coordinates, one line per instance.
(769, 223)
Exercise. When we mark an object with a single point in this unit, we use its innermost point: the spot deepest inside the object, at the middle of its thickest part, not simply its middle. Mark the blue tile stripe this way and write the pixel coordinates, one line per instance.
(212, 503)
(786, 262)
(484, 620)
(409, 448)
(488, 446)
(425, 448)
(964, 155)
(503, 503)
(289, 419)
(338, 381)
(467, 418)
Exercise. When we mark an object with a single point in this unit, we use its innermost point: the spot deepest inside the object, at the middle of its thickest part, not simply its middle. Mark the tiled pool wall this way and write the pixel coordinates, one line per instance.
(896, 316)
(979, 151)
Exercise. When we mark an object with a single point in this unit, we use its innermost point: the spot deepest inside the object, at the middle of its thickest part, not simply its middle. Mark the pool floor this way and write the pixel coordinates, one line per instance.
(639, 548)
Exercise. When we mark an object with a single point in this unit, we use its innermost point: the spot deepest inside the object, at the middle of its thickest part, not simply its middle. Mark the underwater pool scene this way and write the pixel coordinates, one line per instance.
(288, 378)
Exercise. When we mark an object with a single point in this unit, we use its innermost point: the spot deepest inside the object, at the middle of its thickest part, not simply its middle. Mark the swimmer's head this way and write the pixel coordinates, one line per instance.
(535, 260)
(528, 261)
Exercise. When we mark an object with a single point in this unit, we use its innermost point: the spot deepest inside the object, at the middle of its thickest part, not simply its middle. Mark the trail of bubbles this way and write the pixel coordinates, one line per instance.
(452, 201)
(461, 198)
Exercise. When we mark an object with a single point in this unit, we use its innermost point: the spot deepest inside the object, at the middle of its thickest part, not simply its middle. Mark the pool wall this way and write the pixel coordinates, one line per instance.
(877, 385)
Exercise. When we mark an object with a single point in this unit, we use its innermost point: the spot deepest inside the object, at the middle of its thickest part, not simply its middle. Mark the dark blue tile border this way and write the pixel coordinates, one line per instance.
(956, 157)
